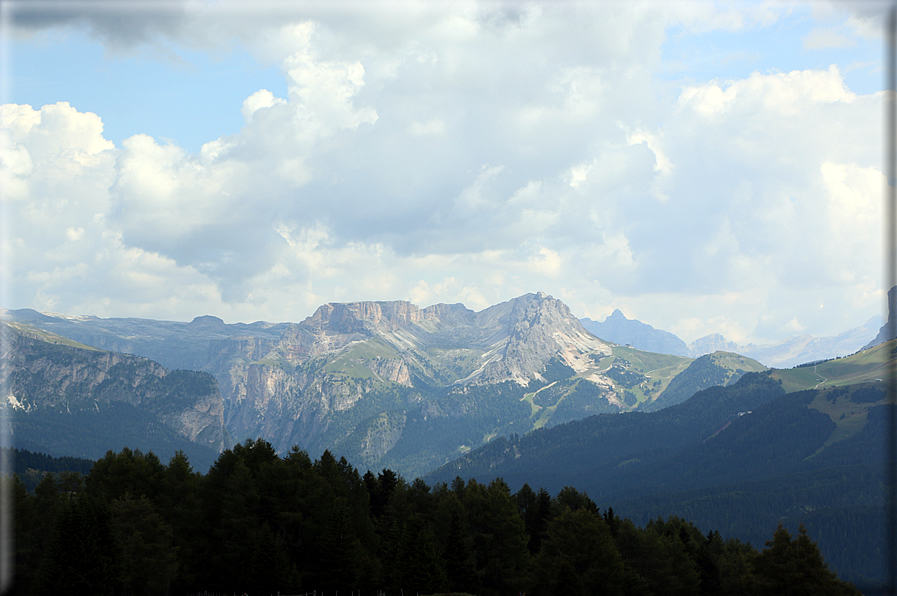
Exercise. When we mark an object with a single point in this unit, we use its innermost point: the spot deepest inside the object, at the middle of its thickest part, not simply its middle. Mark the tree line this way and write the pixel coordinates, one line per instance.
(259, 523)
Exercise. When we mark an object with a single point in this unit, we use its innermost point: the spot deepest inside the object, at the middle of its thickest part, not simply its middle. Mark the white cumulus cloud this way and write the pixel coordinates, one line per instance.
(465, 152)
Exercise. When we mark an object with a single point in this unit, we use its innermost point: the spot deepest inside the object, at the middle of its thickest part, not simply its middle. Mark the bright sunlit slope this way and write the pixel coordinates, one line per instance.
(864, 366)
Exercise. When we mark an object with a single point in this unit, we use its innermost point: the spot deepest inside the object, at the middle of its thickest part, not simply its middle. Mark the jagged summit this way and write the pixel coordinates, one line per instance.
(520, 335)
(390, 383)
(538, 329)
(620, 330)
(387, 316)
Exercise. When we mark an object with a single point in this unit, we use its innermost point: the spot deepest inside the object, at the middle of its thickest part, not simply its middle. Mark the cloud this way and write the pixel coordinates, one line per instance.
(62, 253)
(819, 39)
(787, 93)
(764, 179)
(468, 153)
(258, 100)
(430, 128)
(120, 25)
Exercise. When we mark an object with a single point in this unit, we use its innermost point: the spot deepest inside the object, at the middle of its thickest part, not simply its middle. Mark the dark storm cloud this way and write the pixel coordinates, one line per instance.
(118, 24)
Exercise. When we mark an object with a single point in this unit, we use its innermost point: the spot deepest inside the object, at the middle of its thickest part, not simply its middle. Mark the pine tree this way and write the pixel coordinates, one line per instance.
(460, 570)
(421, 569)
(795, 567)
(83, 556)
(149, 557)
(578, 556)
(341, 555)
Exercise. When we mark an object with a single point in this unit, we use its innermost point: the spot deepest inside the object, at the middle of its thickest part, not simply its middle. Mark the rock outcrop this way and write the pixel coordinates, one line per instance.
(888, 331)
(539, 328)
(41, 371)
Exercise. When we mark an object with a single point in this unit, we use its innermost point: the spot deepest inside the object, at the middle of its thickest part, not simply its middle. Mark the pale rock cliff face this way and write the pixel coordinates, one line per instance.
(299, 343)
(240, 348)
(711, 343)
(313, 383)
(287, 391)
(382, 435)
(202, 423)
(43, 374)
(227, 361)
(539, 328)
(356, 316)
(61, 381)
(378, 381)
(394, 370)
(887, 331)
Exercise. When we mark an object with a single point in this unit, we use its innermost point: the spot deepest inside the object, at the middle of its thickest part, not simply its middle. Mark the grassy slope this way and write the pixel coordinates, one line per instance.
(657, 370)
(46, 336)
(862, 367)
(736, 362)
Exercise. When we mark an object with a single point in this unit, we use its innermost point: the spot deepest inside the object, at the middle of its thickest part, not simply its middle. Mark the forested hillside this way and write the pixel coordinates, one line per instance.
(260, 523)
(737, 459)
(32, 467)
(70, 399)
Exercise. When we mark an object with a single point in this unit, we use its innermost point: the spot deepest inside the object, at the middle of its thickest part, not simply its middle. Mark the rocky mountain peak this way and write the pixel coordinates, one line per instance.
(353, 317)
(539, 328)
(535, 310)
(712, 343)
(208, 323)
(448, 314)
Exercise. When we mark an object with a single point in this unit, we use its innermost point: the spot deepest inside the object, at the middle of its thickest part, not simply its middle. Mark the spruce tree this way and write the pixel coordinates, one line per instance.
(83, 558)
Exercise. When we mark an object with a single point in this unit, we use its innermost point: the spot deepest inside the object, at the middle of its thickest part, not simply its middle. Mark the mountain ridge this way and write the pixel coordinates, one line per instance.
(786, 353)
(376, 380)
(51, 381)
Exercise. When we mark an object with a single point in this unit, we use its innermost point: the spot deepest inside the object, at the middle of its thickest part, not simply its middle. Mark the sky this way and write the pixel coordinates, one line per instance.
(705, 167)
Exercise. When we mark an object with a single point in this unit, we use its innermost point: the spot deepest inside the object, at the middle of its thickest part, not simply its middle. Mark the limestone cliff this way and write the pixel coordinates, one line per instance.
(539, 328)
(41, 371)
(348, 361)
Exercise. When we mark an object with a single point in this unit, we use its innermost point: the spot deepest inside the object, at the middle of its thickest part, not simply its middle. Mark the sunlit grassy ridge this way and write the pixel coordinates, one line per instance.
(848, 415)
(656, 371)
(867, 365)
(40, 334)
(840, 381)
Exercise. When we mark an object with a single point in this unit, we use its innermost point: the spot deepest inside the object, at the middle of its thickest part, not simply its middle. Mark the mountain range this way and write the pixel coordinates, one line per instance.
(389, 384)
(515, 390)
(786, 353)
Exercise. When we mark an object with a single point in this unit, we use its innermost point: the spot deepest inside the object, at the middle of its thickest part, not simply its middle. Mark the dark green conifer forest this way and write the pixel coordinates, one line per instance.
(258, 523)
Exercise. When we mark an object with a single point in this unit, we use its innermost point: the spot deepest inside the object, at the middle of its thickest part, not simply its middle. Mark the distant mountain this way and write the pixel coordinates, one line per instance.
(587, 453)
(629, 332)
(799, 349)
(173, 344)
(549, 456)
(390, 384)
(712, 343)
(789, 352)
(71, 399)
